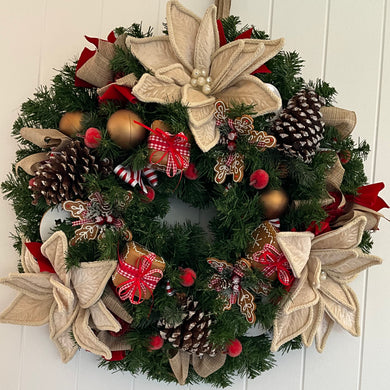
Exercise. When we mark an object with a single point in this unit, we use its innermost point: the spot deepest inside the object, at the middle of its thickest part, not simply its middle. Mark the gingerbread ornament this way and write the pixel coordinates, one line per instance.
(233, 164)
(228, 282)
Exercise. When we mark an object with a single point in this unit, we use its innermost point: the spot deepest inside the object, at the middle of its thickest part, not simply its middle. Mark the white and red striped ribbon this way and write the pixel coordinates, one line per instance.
(135, 177)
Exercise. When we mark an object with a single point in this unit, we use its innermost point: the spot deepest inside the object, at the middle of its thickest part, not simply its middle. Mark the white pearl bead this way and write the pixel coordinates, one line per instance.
(206, 89)
(201, 81)
(209, 80)
(323, 275)
(194, 82)
(203, 72)
(196, 73)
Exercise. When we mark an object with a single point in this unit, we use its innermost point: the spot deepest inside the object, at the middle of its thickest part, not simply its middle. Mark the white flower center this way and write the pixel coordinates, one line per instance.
(200, 80)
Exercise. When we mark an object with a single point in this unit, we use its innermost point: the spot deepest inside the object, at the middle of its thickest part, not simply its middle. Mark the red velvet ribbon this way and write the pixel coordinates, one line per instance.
(274, 261)
(368, 196)
(175, 146)
(44, 264)
(140, 278)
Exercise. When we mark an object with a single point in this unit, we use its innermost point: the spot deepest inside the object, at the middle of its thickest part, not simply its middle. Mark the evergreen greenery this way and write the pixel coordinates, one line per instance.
(237, 210)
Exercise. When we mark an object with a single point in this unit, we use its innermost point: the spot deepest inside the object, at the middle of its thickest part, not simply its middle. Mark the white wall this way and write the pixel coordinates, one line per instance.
(346, 42)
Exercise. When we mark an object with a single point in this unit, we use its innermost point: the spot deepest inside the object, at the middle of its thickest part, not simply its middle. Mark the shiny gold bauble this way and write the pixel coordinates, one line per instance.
(70, 123)
(124, 131)
(274, 202)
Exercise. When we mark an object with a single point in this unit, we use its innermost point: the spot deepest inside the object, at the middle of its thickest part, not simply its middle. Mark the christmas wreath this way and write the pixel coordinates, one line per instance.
(217, 116)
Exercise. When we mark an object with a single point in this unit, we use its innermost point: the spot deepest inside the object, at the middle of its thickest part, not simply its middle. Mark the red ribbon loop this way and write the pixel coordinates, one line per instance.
(274, 261)
(140, 278)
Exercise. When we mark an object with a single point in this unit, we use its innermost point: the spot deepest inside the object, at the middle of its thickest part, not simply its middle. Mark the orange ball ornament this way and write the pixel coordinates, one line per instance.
(274, 202)
(70, 123)
(124, 131)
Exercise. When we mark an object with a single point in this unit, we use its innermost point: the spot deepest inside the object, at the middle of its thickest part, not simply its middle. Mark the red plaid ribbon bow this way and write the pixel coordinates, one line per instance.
(140, 278)
(274, 261)
(176, 146)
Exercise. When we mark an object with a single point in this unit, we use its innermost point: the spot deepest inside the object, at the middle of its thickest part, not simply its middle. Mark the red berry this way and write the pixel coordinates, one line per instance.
(187, 277)
(31, 183)
(345, 156)
(191, 172)
(232, 136)
(155, 343)
(234, 348)
(259, 179)
(92, 138)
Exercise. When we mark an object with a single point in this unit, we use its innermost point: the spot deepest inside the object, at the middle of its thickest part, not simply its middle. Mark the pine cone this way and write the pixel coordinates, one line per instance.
(299, 128)
(192, 333)
(62, 176)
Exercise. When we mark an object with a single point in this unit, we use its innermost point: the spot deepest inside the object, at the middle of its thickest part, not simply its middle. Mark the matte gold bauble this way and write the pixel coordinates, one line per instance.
(70, 123)
(274, 202)
(123, 131)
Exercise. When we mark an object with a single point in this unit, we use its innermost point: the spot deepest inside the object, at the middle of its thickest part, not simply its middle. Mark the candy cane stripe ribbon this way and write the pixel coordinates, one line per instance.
(140, 279)
(274, 261)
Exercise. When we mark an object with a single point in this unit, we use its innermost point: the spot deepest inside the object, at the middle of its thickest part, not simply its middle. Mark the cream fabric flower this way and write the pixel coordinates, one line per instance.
(320, 295)
(68, 301)
(189, 66)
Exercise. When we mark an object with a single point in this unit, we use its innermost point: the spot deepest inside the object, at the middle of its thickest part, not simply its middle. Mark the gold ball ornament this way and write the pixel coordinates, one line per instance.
(124, 131)
(274, 202)
(70, 123)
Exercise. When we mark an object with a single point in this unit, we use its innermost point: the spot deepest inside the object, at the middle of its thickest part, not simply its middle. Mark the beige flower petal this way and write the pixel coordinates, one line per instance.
(302, 294)
(339, 293)
(183, 28)
(36, 286)
(26, 310)
(103, 319)
(127, 81)
(323, 332)
(86, 338)
(343, 265)
(296, 247)
(180, 363)
(61, 321)
(149, 89)
(207, 40)
(152, 52)
(224, 60)
(29, 264)
(174, 73)
(206, 365)
(115, 343)
(90, 279)
(55, 250)
(115, 305)
(271, 48)
(318, 314)
(345, 237)
(289, 326)
(251, 91)
(66, 345)
(355, 210)
(63, 296)
(348, 319)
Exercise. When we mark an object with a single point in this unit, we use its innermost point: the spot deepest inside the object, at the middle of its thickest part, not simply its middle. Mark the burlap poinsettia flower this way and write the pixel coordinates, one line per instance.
(189, 66)
(69, 301)
(320, 296)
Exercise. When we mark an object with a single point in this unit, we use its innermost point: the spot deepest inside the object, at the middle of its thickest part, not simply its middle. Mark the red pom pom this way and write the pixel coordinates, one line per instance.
(155, 343)
(232, 146)
(187, 277)
(234, 348)
(92, 138)
(191, 172)
(259, 179)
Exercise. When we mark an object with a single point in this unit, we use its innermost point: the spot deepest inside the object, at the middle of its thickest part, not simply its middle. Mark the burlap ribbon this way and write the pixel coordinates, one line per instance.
(344, 121)
(44, 138)
(223, 8)
(203, 366)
